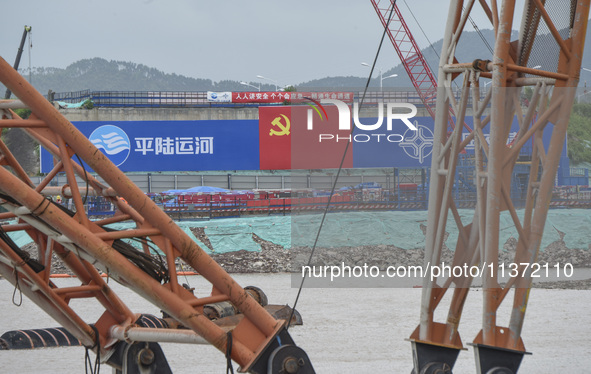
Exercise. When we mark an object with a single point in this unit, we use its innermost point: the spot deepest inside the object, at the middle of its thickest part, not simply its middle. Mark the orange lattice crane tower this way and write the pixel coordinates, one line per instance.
(547, 57)
(255, 339)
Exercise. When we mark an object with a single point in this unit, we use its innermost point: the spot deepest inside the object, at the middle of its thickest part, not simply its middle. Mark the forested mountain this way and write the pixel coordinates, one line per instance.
(98, 74)
(471, 47)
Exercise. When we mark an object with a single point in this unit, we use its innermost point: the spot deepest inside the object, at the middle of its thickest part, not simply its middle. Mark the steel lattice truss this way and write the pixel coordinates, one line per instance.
(410, 55)
(88, 247)
(437, 344)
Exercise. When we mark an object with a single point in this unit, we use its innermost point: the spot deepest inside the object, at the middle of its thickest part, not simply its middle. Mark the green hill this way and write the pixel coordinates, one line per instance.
(98, 74)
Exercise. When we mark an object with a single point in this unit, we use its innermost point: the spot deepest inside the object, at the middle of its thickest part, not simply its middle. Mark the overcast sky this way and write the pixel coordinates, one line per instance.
(287, 41)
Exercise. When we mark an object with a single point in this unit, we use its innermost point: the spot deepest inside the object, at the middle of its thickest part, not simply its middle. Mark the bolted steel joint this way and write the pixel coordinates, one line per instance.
(291, 365)
(481, 65)
(146, 357)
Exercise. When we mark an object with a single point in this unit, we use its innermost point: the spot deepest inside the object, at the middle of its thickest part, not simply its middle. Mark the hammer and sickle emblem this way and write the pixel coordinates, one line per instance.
(283, 129)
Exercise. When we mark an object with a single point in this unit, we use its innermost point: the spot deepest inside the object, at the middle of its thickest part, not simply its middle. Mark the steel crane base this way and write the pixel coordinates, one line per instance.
(279, 356)
(140, 358)
(289, 359)
(496, 360)
(431, 358)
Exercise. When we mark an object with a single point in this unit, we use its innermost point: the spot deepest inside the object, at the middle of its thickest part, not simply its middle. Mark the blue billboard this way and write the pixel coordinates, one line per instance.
(173, 145)
(397, 147)
(401, 147)
(145, 146)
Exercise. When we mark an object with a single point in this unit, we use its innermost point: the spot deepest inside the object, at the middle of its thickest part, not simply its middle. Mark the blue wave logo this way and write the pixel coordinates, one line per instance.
(113, 142)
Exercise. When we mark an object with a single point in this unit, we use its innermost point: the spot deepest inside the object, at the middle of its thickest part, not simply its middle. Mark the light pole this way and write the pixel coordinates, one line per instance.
(250, 85)
(588, 70)
(382, 79)
(274, 81)
(381, 75)
(583, 94)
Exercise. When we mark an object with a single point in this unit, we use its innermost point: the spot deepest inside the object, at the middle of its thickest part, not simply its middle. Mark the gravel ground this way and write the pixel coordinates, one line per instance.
(274, 258)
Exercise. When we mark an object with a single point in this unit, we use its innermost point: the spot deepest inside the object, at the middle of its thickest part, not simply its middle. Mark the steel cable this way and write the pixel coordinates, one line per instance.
(340, 167)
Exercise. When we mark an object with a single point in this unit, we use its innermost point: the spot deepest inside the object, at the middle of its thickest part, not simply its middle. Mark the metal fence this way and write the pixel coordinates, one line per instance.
(157, 183)
(209, 206)
(266, 194)
(198, 99)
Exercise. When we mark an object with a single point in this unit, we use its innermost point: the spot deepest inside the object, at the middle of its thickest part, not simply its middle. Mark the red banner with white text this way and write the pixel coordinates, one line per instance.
(290, 97)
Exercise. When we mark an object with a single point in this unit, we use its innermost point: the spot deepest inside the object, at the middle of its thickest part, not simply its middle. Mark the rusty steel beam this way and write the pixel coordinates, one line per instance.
(23, 123)
(143, 334)
(7, 158)
(86, 273)
(566, 93)
(66, 191)
(84, 239)
(44, 297)
(12, 104)
(192, 253)
(501, 105)
(85, 245)
(478, 241)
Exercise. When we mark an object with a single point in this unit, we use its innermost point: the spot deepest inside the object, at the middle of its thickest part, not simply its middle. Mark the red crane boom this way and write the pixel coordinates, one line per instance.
(409, 53)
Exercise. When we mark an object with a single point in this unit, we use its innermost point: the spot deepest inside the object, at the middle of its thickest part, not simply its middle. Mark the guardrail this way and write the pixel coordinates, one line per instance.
(192, 99)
